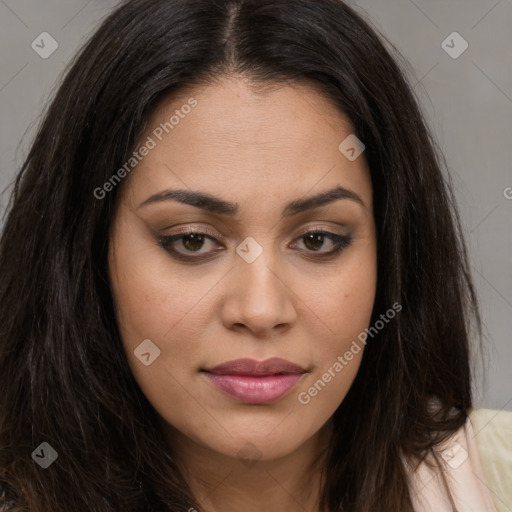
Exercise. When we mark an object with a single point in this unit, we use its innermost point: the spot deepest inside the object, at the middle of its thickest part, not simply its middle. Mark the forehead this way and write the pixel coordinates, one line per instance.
(268, 142)
(236, 110)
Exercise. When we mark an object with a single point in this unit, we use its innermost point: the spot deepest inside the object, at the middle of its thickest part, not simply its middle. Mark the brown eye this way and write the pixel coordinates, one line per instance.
(193, 242)
(314, 241)
(187, 244)
(184, 245)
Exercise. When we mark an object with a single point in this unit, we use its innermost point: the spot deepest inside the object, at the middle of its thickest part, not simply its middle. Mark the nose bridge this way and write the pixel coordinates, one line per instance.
(257, 272)
(259, 297)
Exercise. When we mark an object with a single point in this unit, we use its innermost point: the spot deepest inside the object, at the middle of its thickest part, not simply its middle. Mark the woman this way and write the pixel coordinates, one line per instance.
(233, 276)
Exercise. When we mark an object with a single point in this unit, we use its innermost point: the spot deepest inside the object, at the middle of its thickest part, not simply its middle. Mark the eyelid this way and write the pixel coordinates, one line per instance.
(342, 241)
(199, 229)
(190, 229)
(324, 228)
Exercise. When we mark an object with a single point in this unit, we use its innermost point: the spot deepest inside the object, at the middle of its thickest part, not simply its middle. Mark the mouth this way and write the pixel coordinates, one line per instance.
(255, 382)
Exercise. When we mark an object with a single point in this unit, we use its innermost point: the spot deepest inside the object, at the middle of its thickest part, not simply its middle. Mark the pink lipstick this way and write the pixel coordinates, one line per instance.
(255, 382)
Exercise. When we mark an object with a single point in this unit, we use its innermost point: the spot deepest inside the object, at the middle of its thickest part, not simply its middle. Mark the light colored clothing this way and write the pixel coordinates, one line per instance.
(477, 465)
(493, 434)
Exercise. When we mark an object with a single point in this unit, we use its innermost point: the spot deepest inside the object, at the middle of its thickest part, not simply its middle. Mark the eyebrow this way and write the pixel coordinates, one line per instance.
(214, 204)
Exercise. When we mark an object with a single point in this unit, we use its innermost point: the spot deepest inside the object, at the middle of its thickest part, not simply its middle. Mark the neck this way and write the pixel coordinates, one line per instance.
(221, 483)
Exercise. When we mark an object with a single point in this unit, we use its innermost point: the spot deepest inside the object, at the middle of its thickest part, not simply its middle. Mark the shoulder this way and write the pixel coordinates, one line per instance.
(492, 431)
(470, 471)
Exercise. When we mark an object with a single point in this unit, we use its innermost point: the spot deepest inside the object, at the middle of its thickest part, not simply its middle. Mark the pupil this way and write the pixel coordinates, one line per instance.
(314, 238)
(198, 240)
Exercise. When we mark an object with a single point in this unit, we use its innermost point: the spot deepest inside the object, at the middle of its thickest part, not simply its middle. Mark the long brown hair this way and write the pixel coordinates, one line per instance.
(64, 376)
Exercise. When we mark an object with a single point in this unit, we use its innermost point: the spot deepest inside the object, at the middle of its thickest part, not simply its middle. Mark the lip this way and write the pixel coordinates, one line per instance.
(255, 382)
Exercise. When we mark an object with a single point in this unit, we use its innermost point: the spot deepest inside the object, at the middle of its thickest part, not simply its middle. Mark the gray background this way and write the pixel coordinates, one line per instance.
(467, 101)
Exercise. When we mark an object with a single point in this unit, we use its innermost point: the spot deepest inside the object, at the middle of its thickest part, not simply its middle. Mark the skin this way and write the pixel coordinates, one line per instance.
(261, 151)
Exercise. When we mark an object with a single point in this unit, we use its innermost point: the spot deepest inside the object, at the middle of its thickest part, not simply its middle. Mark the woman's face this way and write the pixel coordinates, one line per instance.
(253, 285)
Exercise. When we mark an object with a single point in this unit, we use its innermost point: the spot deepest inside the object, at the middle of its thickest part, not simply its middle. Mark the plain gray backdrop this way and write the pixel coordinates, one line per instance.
(466, 94)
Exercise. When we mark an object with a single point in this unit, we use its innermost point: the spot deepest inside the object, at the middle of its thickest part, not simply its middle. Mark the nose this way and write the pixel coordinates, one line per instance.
(259, 299)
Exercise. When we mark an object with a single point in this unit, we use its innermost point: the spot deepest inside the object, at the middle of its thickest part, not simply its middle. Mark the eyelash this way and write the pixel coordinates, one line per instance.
(166, 242)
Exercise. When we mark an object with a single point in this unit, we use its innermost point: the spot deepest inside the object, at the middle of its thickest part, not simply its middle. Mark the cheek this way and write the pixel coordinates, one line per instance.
(155, 302)
(344, 302)
(153, 298)
(344, 308)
